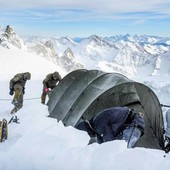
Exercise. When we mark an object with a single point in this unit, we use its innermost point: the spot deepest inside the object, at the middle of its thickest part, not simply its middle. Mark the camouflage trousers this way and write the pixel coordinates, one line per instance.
(18, 96)
(43, 96)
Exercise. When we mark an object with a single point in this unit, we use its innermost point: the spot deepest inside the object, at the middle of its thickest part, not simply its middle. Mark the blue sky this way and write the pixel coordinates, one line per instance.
(79, 18)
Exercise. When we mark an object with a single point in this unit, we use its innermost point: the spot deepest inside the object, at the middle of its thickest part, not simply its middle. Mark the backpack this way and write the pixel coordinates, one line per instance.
(3, 130)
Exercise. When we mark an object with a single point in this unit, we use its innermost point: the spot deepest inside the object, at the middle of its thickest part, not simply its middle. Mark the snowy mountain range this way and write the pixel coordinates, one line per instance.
(126, 54)
(42, 143)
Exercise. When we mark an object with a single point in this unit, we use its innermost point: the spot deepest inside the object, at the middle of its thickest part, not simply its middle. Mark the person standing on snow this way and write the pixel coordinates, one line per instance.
(49, 83)
(115, 123)
(17, 86)
(167, 132)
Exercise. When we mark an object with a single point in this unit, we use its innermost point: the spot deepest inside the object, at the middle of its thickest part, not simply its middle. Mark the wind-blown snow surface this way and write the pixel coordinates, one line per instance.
(42, 143)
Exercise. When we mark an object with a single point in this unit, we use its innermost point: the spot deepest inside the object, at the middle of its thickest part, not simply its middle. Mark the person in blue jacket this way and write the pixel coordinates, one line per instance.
(115, 123)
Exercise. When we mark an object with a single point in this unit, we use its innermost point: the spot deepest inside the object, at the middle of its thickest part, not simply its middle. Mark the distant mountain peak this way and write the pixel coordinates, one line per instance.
(95, 38)
(97, 41)
(9, 39)
(68, 61)
(69, 53)
(9, 30)
(49, 44)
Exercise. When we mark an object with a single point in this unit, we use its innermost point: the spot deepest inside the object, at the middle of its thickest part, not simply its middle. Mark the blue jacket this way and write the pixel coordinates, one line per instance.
(109, 123)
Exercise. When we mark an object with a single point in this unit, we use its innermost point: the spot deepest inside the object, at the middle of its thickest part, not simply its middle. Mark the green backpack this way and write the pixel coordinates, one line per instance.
(3, 130)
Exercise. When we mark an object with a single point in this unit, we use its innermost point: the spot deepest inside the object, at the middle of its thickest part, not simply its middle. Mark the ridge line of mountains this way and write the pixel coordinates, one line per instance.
(125, 54)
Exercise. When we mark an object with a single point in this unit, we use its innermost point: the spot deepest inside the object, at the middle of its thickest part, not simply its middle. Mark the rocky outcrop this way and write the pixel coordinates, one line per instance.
(46, 50)
(9, 39)
(68, 61)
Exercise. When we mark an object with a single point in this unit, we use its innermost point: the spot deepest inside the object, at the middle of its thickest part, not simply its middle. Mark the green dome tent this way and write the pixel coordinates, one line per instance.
(83, 93)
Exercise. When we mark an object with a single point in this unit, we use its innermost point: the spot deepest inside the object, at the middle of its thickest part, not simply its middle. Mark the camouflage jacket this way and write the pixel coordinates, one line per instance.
(49, 82)
(17, 79)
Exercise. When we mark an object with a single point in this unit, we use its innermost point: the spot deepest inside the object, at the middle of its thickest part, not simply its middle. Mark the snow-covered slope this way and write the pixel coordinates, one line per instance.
(42, 143)
(14, 60)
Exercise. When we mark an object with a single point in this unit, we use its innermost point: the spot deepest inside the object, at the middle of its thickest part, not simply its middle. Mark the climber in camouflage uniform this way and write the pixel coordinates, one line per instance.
(17, 86)
(49, 83)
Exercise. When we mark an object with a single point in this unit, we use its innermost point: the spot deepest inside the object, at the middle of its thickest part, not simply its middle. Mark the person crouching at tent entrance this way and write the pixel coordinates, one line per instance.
(115, 123)
(49, 83)
(167, 132)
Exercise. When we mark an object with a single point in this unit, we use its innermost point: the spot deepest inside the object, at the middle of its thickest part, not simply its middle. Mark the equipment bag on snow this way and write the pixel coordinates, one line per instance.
(3, 130)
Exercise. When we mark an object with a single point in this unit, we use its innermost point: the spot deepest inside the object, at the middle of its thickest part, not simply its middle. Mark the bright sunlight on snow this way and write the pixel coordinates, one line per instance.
(41, 143)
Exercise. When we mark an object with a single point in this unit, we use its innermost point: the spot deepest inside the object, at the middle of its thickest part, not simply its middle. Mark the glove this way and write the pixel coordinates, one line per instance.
(46, 90)
(93, 140)
(11, 92)
(134, 136)
(23, 90)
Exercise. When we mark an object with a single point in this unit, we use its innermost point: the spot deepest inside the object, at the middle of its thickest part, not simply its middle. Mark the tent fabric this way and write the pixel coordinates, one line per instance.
(83, 93)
